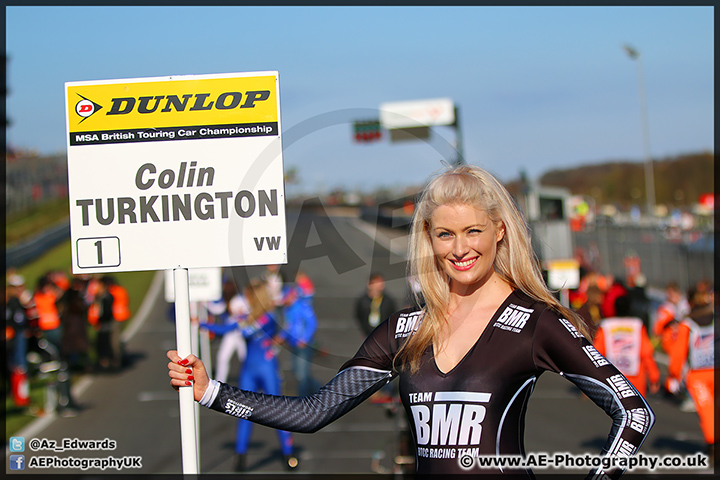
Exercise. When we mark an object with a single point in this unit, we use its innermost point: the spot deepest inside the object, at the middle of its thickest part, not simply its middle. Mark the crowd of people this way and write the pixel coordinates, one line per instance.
(65, 324)
(633, 336)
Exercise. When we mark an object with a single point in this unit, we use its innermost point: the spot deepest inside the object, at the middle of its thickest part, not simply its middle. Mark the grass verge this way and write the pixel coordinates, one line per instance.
(29, 222)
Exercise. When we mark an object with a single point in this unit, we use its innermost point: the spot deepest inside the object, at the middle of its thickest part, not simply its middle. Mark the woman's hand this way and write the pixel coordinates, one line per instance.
(186, 372)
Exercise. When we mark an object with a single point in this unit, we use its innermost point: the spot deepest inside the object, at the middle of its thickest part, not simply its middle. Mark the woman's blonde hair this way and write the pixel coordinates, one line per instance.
(258, 298)
(515, 261)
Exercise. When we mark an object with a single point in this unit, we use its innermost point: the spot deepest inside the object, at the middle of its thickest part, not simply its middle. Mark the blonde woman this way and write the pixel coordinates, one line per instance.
(468, 360)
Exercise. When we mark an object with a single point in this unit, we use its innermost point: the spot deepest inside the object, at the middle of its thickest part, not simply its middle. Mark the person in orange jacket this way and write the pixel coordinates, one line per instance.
(625, 342)
(45, 298)
(121, 312)
(121, 300)
(91, 291)
(665, 328)
(668, 315)
(692, 357)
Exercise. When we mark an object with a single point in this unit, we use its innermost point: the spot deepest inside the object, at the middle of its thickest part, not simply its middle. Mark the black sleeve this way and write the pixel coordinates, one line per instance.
(360, 377)
(559, 347)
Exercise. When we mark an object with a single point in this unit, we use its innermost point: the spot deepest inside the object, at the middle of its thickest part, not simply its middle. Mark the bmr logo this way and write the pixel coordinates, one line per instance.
(85, 108)
(237, 409)
(455, 418)
(621, 386)
(638, 420)
(513, 318)
(406, 324)
(571, 328)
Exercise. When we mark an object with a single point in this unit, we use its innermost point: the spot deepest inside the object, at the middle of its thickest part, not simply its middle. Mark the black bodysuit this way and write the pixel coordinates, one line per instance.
(477, 408)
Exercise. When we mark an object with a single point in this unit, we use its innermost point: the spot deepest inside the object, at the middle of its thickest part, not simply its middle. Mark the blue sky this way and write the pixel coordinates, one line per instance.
(538, 87)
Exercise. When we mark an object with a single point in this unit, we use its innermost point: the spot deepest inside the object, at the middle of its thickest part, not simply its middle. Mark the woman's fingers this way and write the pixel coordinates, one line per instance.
(188, 361)
(188, 371)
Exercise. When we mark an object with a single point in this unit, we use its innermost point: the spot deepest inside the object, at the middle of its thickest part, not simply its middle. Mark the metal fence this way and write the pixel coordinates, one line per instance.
(33, 180)
(666, 254)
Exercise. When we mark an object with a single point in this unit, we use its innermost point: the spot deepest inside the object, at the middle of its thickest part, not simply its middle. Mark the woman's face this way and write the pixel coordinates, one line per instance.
(464, 242)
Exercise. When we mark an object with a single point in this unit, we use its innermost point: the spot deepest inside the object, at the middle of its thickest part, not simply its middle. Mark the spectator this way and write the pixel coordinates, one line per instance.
(107, 357)
(299, 331)
(228, 312)
(274, 281)
(694, 347)
(16, 334)
(590, 310)
(617, 289)
(624, 341)
(45, 298)
(75, 344)
(121, 312)
(588, 279)
(639, 302)
(59, 279)
(373, 306)
(667, 318)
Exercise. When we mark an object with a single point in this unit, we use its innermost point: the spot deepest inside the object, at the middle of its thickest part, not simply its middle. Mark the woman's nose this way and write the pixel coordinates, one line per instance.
(460, 247)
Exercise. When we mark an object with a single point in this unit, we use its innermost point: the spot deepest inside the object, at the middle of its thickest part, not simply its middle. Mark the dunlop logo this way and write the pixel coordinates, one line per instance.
(197, 102)
(141, 104)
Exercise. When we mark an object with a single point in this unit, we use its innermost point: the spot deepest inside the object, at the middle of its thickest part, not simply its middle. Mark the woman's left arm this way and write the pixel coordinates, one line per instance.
(558, 346)
(367, 372)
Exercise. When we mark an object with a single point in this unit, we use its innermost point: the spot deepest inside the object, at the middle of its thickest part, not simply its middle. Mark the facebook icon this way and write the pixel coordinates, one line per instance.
(17, 462)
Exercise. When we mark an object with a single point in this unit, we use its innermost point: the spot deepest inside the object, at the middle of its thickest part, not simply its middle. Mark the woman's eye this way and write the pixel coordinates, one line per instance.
(443, 234)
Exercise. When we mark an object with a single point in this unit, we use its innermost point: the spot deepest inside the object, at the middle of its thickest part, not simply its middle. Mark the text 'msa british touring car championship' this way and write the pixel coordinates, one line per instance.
(175, 172)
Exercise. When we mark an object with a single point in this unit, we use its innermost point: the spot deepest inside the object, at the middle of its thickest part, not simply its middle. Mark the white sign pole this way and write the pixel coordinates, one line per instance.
(195, 346)
(188, 427)
(205, 351)
(194, 328)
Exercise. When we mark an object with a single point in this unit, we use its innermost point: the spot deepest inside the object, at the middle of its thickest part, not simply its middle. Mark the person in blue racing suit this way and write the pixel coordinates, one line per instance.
(299, 330)
(260, 370)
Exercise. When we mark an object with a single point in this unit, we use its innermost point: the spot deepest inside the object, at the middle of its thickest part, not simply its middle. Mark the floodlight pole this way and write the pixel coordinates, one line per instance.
(458, 139)
(649, 173)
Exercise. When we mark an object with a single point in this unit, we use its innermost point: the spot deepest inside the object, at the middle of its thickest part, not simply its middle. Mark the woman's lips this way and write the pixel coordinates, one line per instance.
(463, 264)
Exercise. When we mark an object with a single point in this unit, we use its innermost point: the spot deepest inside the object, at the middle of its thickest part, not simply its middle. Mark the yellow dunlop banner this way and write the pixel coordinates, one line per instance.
(179, 108)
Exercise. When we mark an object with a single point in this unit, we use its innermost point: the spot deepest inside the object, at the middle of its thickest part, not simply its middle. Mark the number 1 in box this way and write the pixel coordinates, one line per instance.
(98, 252)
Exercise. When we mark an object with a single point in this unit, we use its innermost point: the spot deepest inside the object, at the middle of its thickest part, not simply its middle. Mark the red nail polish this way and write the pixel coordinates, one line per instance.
(183, 362)
(188, 371)
(188, 383)
(191, 377)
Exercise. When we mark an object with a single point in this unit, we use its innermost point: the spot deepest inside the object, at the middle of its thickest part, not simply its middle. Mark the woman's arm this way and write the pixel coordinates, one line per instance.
(558, 346)
(220, 329)
(345, 391)
(367, 372)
